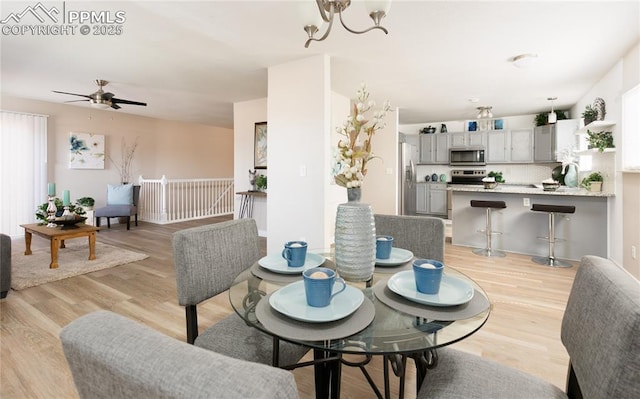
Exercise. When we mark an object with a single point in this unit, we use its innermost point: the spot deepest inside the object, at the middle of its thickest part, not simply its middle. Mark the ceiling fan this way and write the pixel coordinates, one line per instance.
(100, 99)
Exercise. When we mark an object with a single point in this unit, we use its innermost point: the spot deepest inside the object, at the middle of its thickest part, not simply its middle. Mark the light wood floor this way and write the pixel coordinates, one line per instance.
(523, 330)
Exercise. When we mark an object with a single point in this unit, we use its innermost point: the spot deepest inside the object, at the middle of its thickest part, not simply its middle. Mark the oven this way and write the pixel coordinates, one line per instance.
(468, 176)
(467, 156)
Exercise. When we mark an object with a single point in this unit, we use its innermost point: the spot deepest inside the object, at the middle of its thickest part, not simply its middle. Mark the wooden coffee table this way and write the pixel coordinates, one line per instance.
(57, 236)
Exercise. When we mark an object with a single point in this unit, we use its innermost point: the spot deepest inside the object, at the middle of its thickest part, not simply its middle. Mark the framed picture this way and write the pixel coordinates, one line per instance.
(471, 126)
(86, 151)
(498, 124)
(260, 146)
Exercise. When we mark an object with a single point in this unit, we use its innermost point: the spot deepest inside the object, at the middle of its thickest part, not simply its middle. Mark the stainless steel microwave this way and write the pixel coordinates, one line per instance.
(467, 156)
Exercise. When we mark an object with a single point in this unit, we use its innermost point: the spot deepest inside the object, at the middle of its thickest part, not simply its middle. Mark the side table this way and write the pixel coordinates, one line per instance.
(246, 202)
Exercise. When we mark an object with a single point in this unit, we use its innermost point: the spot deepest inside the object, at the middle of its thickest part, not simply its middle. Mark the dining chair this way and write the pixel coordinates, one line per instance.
(113, 357)
(600, 330)
(422, 235)
(207, 259)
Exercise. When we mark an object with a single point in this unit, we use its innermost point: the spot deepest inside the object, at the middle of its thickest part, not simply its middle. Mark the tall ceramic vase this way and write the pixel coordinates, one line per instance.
(355, 239)
(571, 175)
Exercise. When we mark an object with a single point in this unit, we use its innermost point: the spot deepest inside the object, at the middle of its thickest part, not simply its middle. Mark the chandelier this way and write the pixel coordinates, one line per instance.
(327, 9)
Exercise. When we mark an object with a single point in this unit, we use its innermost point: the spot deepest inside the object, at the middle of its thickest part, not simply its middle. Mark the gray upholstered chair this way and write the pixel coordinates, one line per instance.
(119, 205)
(207, 260)
(5, 265)
(600, 329)
(113, 357)
(424, 236)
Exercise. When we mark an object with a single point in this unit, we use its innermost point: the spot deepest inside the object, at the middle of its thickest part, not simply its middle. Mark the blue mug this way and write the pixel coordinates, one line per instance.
(295, 252)
(318, 286)
(383, 247)
(428, 275)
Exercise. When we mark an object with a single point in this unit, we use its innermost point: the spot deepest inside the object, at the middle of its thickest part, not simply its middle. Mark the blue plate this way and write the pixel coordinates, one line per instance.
(453, 290)
(291, 301)
(277, 264)
(398, 256)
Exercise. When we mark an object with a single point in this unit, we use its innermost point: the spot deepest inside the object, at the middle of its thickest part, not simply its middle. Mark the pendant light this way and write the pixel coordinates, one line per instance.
(552, 118)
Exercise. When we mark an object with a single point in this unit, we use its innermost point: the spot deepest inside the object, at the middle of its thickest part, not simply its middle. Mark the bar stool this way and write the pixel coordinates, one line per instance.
(489, 205)
(552, 210)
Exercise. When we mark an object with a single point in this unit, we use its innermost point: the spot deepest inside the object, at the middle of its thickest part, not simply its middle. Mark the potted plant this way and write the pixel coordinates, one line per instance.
(497, 176)
(543, 118)
(86, 203)
(600, 140)
(593, 182)
(590, 114)
(261, 182)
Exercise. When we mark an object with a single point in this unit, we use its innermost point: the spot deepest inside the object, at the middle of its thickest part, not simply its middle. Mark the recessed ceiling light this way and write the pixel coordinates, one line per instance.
(474, 99)
(525, 60)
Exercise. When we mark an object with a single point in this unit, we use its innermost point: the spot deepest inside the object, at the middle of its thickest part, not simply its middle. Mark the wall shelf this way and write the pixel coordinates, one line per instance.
(596, 126)
(595, 150)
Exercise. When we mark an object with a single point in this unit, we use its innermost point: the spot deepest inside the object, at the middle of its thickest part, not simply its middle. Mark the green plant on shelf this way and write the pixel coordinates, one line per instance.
(543, 118)
(600, 140)
(590, 114)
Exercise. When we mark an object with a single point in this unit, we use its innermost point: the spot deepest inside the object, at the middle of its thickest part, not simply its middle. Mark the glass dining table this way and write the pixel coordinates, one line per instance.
(384, 324)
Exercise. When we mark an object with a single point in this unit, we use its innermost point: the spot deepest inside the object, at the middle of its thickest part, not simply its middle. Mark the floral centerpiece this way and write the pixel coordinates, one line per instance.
(42, 214)
(354, 150)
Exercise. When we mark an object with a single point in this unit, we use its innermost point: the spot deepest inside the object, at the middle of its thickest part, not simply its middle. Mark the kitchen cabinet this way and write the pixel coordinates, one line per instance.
(497, 145)
(437, 202)
(468, 139)
(510, 146)
(521, 150)
(431, 198)
(434, 149)
(549, 140)
(421, 198)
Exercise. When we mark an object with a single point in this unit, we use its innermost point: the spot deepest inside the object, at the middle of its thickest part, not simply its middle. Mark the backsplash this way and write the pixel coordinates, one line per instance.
(512, 173)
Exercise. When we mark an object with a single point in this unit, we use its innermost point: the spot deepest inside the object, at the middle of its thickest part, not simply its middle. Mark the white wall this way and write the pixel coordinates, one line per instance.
(623, 212)
(298, 142)
(609, 88)
(380, 187)
(245, 115)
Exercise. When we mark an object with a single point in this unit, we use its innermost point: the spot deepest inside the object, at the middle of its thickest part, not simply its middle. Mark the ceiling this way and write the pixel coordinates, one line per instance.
(190, 61)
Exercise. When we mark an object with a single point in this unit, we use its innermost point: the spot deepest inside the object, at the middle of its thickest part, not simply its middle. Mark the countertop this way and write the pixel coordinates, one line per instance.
(527, 189)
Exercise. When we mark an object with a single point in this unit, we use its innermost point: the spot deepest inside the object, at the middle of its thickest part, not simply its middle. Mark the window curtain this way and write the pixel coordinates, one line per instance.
(23, 169)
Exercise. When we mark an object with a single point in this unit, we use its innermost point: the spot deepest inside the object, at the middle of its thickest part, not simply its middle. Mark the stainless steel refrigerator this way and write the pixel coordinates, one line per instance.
(409, 155)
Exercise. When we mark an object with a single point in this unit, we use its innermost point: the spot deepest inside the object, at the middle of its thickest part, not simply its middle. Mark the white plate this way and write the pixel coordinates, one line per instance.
(398, 256)
(277, 264)
(453, 290)
(291, 301)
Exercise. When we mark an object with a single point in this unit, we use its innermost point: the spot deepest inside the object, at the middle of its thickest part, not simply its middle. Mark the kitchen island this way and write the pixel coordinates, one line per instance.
(585, 232)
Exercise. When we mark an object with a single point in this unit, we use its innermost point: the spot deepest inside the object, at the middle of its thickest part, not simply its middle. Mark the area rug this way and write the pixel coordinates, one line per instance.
(31, 270)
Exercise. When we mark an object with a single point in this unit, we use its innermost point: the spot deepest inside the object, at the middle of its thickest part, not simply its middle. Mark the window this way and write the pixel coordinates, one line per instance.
(631, 129)
(23, 171)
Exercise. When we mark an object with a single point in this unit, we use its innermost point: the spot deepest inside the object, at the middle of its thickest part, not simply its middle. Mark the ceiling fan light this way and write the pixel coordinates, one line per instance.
(103, 104)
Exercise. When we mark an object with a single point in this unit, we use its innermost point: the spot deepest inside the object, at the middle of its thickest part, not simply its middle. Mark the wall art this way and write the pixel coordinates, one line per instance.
(86, 151)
